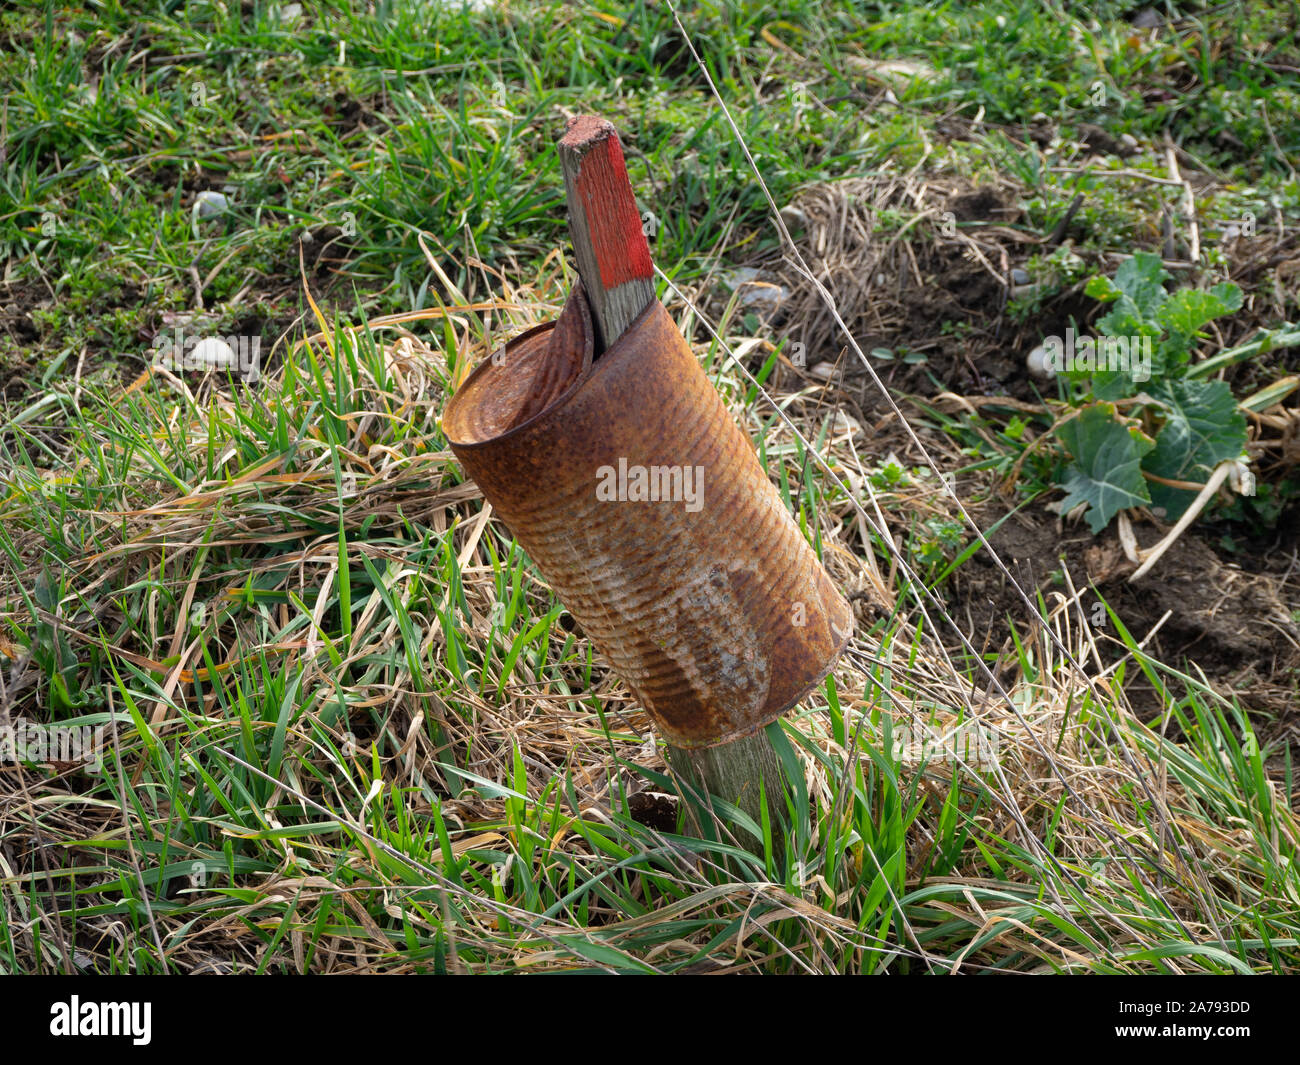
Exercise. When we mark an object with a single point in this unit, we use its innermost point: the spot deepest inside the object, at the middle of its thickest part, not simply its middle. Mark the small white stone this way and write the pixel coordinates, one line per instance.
(1037, 363)
(209, 204)
(793, 217)
(823, 371)
(753, 291)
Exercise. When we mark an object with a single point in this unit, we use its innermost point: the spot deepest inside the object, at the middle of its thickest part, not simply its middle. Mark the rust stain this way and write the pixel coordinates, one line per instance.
(711, 605)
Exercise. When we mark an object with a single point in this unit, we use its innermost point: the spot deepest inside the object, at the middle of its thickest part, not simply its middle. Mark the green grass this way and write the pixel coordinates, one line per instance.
(429, 117)
(348, 727)
(307, 686)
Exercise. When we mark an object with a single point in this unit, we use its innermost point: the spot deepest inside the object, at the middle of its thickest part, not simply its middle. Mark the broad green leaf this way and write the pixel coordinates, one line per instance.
(1184, 313)
(1124, 363)
(1203, 426)
(1102, 289)
(1105, 472)
(1124, 319)
(1142, 280)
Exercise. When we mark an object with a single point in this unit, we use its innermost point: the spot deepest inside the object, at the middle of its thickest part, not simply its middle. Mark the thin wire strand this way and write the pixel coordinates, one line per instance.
(795, 258)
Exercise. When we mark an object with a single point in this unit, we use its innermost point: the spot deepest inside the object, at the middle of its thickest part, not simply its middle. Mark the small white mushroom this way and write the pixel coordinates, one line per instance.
(212, 352)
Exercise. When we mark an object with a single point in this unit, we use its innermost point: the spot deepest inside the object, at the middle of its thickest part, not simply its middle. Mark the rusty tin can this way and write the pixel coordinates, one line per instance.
(645, 507)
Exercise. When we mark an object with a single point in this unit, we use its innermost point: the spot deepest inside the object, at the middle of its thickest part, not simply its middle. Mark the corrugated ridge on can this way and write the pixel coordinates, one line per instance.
(710, 604)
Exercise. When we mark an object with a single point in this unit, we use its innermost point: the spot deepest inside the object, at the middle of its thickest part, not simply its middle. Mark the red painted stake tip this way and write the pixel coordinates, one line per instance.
(609, 244)
(605, 194)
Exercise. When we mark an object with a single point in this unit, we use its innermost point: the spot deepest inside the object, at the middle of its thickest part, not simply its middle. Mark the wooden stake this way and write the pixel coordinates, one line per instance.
(610, 246)
(732, 772)
(618, 276)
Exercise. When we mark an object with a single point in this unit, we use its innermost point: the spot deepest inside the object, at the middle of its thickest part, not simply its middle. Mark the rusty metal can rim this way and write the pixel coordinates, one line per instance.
(598, 363)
